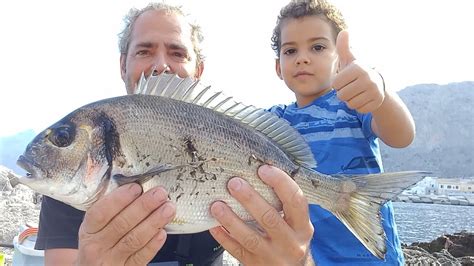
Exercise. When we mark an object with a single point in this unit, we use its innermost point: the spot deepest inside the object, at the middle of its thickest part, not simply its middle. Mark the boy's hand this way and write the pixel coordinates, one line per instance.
(361, 88)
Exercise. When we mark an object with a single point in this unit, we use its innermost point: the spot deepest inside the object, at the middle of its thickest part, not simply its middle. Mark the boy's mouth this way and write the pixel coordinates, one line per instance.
(302, 73)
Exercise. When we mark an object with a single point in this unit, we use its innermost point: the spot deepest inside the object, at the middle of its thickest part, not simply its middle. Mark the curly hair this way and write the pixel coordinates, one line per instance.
(304, 8)
(133, 14)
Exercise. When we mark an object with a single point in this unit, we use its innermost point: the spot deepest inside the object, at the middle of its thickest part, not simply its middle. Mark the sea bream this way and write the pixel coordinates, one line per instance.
(179, 134)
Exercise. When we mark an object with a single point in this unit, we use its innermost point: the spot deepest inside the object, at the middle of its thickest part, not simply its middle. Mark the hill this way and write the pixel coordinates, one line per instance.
(444, 143)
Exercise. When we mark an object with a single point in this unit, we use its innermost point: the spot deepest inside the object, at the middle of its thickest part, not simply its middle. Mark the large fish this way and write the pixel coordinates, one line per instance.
(178, 134)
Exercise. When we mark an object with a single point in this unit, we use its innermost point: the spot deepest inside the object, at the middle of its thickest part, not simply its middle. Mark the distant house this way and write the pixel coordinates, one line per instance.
(468, 186)
(448, 186)
(453, 191)
(442, 186)
(426, 186)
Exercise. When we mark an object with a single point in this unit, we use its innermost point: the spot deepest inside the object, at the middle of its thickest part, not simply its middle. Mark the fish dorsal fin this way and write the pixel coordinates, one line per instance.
(192, 91)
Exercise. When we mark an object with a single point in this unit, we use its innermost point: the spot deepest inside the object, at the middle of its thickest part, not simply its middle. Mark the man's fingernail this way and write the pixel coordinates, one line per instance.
(161, 235)
(235, 184)
(264, 172)
(160, 194)
(167, 211)
(136, 189)
(217, 209)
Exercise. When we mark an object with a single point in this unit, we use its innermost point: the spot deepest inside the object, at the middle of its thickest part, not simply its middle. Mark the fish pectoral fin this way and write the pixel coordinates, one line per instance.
(142, 178)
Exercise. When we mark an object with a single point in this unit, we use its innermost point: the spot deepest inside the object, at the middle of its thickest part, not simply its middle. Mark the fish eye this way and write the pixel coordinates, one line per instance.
(62, 136)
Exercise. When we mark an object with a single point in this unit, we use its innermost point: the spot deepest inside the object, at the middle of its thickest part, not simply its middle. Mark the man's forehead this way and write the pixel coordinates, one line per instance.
(162, 21)
(156, 26)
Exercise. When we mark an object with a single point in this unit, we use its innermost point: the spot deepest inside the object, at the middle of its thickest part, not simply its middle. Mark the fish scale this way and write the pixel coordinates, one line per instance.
(235, 150)
(182, 135)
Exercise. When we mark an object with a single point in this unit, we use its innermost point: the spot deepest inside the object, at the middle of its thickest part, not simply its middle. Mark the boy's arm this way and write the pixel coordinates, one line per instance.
(392, 121)
(363, 90)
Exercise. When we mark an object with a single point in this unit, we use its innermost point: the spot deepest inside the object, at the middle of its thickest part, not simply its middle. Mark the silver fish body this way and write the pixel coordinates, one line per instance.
(192, 142)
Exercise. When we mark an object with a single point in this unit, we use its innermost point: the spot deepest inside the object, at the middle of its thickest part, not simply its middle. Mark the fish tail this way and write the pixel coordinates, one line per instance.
(357, 201)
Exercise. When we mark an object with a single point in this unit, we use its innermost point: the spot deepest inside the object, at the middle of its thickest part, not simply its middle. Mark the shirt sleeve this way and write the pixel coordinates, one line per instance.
(366, 120)
(279, 110)
(58, 225)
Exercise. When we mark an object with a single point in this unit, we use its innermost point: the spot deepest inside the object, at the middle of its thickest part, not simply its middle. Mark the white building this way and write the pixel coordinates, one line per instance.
(452, 186)
(442, 186)
(426, 186)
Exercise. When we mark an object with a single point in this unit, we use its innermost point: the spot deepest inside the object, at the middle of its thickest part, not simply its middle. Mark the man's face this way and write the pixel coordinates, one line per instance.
(159, 41)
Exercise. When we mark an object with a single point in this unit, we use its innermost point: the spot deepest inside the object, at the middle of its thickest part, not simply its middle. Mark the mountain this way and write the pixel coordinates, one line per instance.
(444, 143)
(13, 146)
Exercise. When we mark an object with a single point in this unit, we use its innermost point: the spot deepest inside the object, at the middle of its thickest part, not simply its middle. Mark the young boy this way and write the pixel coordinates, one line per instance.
(341, 112)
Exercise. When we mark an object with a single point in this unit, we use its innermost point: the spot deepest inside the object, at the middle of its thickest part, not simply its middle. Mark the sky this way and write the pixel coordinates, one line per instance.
(58, 55)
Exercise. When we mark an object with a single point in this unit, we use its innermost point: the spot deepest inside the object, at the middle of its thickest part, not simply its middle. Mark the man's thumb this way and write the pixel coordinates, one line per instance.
(343, 49)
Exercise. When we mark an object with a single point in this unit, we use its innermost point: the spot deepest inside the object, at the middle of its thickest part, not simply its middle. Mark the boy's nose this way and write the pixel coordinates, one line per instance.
(302, 59)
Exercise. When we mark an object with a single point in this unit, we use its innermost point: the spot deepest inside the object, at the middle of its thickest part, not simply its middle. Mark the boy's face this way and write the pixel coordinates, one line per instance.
(308, 58)
(160, 41)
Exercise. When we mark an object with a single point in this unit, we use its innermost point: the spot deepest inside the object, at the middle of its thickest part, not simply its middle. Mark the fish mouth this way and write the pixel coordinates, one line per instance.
(29, 166)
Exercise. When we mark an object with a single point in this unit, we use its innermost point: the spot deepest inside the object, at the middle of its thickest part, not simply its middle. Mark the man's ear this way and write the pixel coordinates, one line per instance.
(123, 61)
(199, 70)
(278, 68)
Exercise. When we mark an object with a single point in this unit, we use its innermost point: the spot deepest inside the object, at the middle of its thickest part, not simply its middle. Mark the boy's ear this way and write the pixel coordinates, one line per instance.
(278, 68)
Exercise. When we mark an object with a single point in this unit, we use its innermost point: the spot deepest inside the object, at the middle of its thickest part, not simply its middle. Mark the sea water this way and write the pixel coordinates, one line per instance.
(422, 222)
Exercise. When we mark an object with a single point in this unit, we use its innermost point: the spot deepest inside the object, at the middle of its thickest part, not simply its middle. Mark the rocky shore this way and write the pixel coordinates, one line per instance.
(455, 249)
(19, 205)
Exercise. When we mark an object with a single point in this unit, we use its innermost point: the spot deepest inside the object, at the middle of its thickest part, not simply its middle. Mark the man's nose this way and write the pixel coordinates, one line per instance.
(160, 65)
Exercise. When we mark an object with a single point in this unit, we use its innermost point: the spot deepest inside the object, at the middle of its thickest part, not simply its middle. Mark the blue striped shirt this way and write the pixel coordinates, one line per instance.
(342, 142)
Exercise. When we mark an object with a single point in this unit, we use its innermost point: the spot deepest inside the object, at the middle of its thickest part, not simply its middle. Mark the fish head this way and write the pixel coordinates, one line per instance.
(67, 161)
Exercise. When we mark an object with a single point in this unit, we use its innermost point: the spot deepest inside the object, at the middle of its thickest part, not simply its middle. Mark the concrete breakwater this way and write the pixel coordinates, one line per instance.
(465, 200)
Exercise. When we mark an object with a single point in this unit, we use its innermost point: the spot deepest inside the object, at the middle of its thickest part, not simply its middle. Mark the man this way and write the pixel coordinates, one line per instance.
(126, 226)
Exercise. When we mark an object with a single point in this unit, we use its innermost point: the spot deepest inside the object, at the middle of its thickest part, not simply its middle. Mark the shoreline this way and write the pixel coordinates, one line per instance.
(462, 200)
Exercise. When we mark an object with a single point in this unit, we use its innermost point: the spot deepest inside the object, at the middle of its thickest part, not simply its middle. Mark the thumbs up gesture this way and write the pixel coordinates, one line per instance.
(362, 89)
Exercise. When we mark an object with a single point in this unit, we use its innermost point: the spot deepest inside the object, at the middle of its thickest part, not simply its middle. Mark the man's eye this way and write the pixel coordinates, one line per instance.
(142, 53)
(178, 54)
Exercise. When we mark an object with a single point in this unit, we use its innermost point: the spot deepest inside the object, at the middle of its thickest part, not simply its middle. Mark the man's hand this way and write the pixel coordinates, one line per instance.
(361, 88)
(285, 240)
(125, 227)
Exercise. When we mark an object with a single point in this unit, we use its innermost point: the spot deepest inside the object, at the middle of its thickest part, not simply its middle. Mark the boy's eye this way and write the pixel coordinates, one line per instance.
(318, 47)
(289, 51)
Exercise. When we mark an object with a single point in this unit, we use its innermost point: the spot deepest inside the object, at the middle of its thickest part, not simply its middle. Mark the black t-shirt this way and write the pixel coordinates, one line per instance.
(59, 226)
